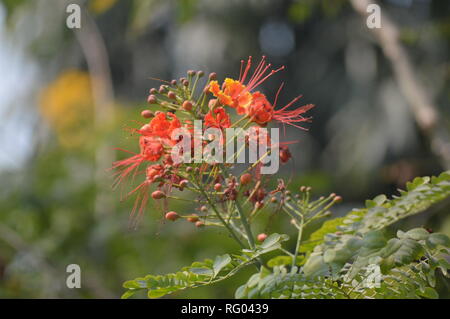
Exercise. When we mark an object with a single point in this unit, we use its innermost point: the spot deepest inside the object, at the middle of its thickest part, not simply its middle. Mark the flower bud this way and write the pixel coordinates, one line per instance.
(151, 99)
(199, 224)
(187, 105)
(158, 195)
(172, 216)
(285, 155)
(147, 114)
(259, 205)
(212, 76)
(145, 127)
(183, 184)
(337, 199)
(193, 218)
(261, 237)
(153, 91)
(246, 178)
(162, 89)
(172, 95)
(218, 187)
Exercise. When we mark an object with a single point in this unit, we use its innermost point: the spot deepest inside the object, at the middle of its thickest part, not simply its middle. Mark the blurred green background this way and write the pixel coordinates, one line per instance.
(67, 97)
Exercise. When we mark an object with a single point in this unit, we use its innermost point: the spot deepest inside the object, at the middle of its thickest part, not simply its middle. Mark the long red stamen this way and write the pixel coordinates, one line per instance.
(139, 204)
(290, 103)
(247, 68)
(267, 76)
(294, 116)
(126, 167)
(258, 69)
(278, 93)
(240, 71)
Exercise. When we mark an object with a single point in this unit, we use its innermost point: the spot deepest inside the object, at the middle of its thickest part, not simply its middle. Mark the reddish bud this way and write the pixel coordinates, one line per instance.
(153, 91)
(183, 184)
(259, 205)
(187, 105)
(173, 82)
(204, 209)
(213, 76)
(218, 187)
(200, 74)
(261, 237)
(285, 155)
(273, 200)
(162, 89)
(193, 218)
(151, 99)
(147, 114)
(246, 178)
(172, 95)
(158, 195)
(172, 216)
(199, 224)
(337, 199)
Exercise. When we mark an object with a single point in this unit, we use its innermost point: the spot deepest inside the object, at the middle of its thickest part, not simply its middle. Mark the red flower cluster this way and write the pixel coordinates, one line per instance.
(238, 95)
(210, 106)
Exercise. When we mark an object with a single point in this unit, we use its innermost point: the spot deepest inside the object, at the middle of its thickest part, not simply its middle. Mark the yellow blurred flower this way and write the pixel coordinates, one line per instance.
(100, 6)
(67, 104)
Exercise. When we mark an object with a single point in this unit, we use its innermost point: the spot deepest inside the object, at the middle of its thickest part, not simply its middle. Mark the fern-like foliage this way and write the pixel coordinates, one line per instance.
(348, 257)
(351, 257)
(343, 235)
(369, 267)
(421, 193)
(201, 273)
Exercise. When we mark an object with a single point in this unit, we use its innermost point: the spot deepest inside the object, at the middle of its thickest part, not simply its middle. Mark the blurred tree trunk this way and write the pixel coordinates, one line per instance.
(424, 111)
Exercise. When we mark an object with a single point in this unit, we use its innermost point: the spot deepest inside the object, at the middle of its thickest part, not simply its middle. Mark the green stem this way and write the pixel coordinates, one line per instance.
(244, 221)
(246, 225)
(231, 231)
(297, 246)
